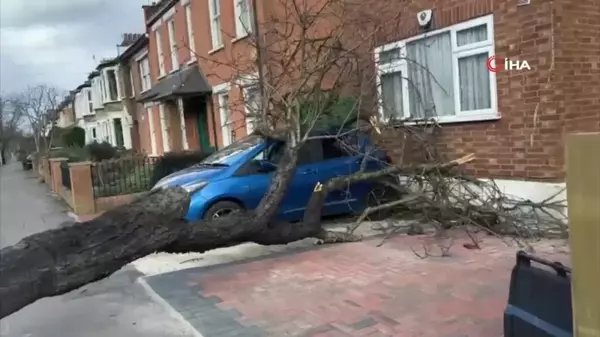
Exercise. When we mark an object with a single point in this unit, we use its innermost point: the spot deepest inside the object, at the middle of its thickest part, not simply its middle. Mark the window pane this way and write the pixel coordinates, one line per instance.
(215, 7)
(391, 92)
(430, 78)
(474, 79)
(112, 85)
(216, 32)
(310, 152)
(471, 35)
(332, 149)
(244, 18)
(389, 56)
(253, 100)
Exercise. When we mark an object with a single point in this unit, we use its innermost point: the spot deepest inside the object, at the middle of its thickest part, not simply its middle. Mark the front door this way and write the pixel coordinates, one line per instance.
(203, 137)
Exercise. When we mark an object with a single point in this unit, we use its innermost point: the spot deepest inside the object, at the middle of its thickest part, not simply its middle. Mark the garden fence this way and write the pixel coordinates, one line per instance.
(122, 176)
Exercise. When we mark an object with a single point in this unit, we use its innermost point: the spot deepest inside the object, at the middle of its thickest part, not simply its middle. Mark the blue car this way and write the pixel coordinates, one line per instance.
(238, 176)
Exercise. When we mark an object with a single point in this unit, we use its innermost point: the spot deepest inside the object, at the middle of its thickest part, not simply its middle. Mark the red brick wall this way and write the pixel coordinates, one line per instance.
(527, 142)
(578, 64)
(559, 95)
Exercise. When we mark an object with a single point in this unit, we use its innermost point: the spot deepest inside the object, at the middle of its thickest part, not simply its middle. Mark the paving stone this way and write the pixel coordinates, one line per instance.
(354, 289)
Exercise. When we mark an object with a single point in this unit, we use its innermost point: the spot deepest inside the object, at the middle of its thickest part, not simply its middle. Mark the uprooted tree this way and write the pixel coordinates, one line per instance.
(309, 58)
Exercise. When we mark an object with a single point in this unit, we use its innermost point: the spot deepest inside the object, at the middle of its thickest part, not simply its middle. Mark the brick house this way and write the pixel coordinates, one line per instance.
(515, 121)
(134, 72)
(196, 39)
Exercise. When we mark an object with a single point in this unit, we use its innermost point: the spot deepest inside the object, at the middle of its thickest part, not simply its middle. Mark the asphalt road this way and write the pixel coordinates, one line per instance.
(118, 306)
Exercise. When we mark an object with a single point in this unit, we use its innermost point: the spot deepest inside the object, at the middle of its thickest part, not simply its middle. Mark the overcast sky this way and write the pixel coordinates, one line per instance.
(54, 41)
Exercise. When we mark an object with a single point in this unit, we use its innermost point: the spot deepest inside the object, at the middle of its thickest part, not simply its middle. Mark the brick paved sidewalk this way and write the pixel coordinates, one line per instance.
(354, 289)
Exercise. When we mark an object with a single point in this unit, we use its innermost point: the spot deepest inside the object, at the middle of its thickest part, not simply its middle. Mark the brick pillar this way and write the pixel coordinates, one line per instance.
(56, 183)
(81, 188)
(46, 170)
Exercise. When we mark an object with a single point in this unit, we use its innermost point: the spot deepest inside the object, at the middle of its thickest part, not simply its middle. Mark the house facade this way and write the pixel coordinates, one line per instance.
(66, 114)
(84, 110)
(134, 72)
(194, 40)
(188, 83)
(99, 106)
(514, 118)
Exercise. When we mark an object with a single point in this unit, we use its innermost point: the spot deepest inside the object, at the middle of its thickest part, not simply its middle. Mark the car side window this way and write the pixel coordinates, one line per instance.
(273, 153)
(332, 148)
(310, 152)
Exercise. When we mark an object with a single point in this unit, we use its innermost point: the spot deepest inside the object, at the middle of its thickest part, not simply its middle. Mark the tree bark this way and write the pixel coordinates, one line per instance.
(57, 261)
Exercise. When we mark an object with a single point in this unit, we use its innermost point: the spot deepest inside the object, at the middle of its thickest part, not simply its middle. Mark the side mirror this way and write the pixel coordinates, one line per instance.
(265, 166)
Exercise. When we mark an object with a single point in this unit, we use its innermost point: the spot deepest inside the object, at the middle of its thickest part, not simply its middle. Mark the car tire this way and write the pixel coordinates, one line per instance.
(221, 208)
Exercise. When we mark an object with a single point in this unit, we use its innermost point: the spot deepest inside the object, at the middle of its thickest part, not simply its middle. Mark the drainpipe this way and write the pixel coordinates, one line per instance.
(259, 56)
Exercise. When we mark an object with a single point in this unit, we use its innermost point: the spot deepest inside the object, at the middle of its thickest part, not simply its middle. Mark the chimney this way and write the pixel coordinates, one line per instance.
(129, 39)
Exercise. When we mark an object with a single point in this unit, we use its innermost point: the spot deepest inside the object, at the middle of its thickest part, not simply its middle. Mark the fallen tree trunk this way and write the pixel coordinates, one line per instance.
(58, 261)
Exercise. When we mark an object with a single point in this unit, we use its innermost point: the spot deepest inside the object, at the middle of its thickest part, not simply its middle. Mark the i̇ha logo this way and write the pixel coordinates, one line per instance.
(495, 64)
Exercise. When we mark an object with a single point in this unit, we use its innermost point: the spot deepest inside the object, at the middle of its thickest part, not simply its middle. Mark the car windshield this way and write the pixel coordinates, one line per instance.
(233, 152)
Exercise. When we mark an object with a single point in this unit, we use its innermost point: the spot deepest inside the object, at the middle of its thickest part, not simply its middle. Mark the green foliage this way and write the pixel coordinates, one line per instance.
(101, 151)
(73, 153)
(327, 110)
(176, 161)
(74, 136)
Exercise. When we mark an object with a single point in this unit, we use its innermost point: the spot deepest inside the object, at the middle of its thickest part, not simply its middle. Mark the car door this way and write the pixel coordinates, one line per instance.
(259, 181)
(337, 161)
(303, 183)
(301, 186)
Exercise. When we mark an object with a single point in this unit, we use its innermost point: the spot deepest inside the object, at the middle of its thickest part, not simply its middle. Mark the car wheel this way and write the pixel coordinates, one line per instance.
(222, 208)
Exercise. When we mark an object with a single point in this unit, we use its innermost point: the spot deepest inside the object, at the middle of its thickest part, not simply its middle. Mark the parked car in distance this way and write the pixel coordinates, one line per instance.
(238, 176)
(27, 163)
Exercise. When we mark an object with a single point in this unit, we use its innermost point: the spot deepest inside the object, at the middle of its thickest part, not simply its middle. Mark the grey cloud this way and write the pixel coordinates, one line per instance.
(53, 42)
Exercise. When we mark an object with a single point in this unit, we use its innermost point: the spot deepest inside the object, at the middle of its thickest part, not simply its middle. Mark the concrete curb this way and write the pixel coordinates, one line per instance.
(174, 313)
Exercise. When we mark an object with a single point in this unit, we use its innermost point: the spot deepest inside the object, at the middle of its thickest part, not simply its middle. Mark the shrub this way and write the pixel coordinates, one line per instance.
(176, 161)
(74, 136)
(73, 153)
(101, 151)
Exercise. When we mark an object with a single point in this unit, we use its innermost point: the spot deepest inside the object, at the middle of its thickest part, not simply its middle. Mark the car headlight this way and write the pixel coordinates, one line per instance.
(194, 187)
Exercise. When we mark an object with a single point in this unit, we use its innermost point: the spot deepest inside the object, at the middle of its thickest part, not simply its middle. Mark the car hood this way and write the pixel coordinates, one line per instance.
(190, 176)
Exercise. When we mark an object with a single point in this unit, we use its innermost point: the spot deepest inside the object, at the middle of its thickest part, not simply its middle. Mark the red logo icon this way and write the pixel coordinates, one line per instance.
(494, 64)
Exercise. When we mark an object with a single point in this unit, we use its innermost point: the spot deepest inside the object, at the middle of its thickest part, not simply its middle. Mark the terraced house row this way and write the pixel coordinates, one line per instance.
(174, 88)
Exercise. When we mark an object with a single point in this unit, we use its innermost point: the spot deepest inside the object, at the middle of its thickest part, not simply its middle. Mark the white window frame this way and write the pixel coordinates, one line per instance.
(214, 14)
(159, 51)
(173, 45)
(144, 68)
(151, 130)
(246, 83)
(458, 52)
(190, 32)
(240, 30)
(107, 98)
(220, 91)
(131, 81)
(163, 128)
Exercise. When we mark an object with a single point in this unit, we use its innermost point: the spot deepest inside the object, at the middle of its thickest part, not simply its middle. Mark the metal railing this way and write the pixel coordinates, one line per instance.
(65, 174)
(122, 176)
